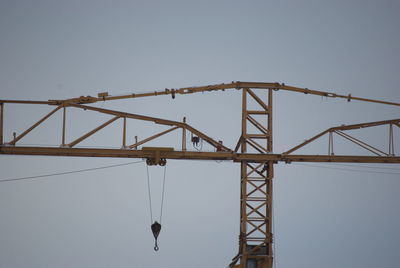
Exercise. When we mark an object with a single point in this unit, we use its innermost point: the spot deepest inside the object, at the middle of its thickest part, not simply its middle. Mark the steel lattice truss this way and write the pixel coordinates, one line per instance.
(253, 150)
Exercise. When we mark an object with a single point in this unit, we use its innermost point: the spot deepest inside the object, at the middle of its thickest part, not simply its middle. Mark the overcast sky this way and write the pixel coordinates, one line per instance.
(325, 215)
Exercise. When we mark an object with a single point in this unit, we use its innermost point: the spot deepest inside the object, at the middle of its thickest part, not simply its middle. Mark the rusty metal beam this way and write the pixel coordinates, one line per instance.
(1, 122)
(365, 125)
(135, 145)
(155, 120)
(343, 127)
(258, 100)
(90, 133)
(186, 155)
(362, 144)
(14, 141)
(28, 102)
(237, 85)
(190, 90)
(128, 115)
(124, 133)
(307, 142)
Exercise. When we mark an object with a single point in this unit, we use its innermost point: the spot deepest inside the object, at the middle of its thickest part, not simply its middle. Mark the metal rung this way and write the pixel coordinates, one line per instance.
(256, 112)
(257, 219)
(256, 179)
(259, 256)
(256, 196)
(257, 136)
(255, 199)
(257, 239)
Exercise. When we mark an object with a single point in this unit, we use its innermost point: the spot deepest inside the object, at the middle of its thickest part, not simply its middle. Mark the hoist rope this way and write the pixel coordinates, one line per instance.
(162, 195)
(273, 231)
(148, 188)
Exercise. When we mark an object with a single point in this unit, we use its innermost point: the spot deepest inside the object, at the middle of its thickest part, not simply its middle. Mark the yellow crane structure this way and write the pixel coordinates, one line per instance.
(254, 150)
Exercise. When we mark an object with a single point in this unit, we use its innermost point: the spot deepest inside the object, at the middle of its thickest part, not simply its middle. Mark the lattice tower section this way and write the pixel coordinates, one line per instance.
(256, 181)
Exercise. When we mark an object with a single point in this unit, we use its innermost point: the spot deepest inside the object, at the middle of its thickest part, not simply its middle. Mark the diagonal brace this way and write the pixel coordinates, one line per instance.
(361, 143)
(90, 133)
(152, 137)
(14, 141)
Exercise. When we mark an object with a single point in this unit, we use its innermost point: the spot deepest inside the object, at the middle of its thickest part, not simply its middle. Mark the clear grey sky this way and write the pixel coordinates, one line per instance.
(323, 217)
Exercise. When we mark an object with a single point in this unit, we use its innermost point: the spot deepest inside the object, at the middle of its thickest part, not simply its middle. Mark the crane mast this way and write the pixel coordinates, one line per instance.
(256, 238)
(254, 151)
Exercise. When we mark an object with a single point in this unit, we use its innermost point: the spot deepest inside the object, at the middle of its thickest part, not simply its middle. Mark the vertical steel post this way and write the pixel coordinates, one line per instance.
(63, 126)
(391, 140)
(1, 122)
(243, 185)
(269, 182)
(269, 127)
(124, 134)
(184, 136)
(136, 141)
(330, 144)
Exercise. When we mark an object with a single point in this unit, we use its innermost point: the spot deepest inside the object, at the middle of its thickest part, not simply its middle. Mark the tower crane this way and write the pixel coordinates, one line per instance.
(253, 152)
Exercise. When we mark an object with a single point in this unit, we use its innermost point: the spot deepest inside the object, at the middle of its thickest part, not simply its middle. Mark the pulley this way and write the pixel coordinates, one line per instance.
(156, 228)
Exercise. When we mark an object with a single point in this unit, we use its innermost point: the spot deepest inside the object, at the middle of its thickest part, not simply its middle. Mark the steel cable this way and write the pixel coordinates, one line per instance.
(68, 172)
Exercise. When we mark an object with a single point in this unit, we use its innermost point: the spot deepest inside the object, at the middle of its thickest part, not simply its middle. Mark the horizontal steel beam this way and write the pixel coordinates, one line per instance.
(186, 155)
(190, 90)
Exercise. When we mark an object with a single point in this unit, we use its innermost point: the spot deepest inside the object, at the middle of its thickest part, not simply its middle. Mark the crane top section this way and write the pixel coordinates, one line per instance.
(104, 96)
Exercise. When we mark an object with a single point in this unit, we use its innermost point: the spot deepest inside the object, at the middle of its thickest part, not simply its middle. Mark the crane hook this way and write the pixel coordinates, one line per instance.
(156, 228)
